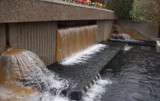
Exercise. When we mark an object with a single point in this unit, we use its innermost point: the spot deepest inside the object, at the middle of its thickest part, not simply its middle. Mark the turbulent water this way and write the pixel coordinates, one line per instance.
(82, 56)
(96, 91)
(135, 75)
(47, 84)
(50, 86)
(23, 75)
(125, 37)
(127, 48)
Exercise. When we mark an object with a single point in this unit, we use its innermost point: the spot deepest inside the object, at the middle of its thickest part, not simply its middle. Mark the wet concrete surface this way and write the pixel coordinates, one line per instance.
(80, 75)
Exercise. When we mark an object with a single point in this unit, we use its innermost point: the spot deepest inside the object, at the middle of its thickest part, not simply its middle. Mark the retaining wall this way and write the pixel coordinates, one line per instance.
(139, 30)
(33, 23)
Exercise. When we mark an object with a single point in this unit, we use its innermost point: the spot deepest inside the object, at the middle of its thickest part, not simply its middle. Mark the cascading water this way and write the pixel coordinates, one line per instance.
(127, 48)
(119, 35)
(83, 55)
(94, 93)
(23, 75)
(122, 37)
(50, 86)
(74, 39)
(35, 82)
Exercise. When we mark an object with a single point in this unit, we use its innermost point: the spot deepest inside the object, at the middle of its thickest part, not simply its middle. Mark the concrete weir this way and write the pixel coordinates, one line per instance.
(33, 24)
(83, 75)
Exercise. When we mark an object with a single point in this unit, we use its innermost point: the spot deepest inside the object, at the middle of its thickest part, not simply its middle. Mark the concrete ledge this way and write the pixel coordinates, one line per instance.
(158, 45)
(35, 10)
(76, 5)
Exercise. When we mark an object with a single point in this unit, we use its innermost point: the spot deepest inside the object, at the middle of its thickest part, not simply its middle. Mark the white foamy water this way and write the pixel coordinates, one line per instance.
(50, 86)
(46, 96)
(31, 73)
(127, 48)
(8, 94)
(22, 64)
(96, 90)
(126, 37)
(5, 93)
(82, 56)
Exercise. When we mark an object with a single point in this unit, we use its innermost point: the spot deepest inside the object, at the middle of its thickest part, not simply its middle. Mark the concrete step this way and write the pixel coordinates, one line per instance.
(81, 76)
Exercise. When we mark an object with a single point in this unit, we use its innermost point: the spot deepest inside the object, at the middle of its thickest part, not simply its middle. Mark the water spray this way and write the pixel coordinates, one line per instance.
(16, 64)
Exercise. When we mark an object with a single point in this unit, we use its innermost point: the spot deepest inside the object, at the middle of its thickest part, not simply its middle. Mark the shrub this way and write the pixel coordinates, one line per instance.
(136, 13)
(151, 10)
(121, 7)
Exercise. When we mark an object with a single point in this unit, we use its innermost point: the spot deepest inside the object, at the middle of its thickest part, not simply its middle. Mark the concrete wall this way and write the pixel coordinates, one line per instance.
(2, 37)
(139, 30)
(38, 37)
(104, 29)
(36, 10)
(33, 23)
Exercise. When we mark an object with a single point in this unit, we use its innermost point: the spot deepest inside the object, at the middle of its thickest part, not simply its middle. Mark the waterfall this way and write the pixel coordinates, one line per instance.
(119, 35)
(74, 39)
(83, 55)
(24, 77)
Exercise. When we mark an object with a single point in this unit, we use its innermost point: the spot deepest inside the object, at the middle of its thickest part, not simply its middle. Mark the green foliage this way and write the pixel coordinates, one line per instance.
(136, 13)
(121, 7)
(151, 9)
